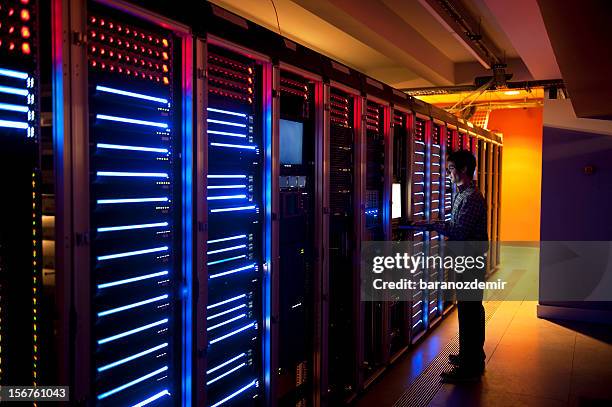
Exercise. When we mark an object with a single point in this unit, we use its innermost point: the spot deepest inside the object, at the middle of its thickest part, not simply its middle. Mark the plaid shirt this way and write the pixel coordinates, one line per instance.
(469, 216)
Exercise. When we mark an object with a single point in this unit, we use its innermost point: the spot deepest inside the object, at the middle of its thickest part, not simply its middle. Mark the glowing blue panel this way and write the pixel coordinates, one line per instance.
(133, 357)
(226, 249)
(227, 176)
(152, 398)
(235, 332)
(134, 305)
(229, 321)
(14, 125)
(226, 133)
(218, 304)
(13, 91)
(132, 148)
(212, 263)
(235, 358)
(226, 186)
(225, 239)
(254, 383)
(226, 374)
(226, 123)
(133, 279)
(131, 121)
(13, 108)
(225, 273)
(132, 383)
(131, 227)
(133, 253)
(132, 331)
(225, 197)
(131, 174)
(131, 94)
(234, 209)
(210, 109)
(132, 200)
(239, 146)
(13, 74)
(226, 312)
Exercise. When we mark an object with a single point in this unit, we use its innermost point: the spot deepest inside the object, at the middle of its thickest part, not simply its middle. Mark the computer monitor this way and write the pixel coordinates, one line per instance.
(396, 198)
(291, 140)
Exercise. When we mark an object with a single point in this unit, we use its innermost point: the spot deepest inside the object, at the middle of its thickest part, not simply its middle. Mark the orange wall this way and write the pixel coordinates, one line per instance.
(521, 172)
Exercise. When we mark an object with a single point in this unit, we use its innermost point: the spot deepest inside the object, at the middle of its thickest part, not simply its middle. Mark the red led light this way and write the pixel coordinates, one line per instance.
(165, 42)
(11, 46)
(103, 66)
(127, 71)
(93, 34)
(150, 38)
(157, 40)
(102, 51)
(25, 32)
(119, 28)
(143, 75)
(166, 80)
(102, 23)
(112, 68)
(111, 40)
(250, 70)
(119, 56)
(92, 20)
(11, 12)
(25, 15)
(127, 30)
(111, 25)
(111, 54)
(120, 69)
(165, 56)
(165, 68)
(102, 37)
(142, 49)
(93, 49)
(157, 78)
(25, 1)
(142, 36)
(94, 63)
(135, 33)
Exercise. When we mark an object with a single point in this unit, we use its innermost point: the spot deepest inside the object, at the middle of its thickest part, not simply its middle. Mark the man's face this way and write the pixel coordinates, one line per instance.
(453, 173)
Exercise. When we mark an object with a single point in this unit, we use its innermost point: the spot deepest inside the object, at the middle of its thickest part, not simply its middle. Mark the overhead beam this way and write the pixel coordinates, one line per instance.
(374, 24)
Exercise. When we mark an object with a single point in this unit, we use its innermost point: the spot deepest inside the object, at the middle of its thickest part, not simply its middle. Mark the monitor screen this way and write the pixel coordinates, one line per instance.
(291, 137)
(396, 199)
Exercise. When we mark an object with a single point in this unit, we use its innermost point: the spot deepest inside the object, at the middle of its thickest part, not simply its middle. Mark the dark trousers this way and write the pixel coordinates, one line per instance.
(471, 334)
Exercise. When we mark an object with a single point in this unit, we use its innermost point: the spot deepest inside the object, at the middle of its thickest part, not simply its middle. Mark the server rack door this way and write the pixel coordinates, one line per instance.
(436, 201)
(299, 137)
(375, 312)
(419, 197)
(343, 239)
(20, 227)
(399, 316)
(489, 198)
(126, 129)
(494, 203)
(237, 136)
(449, 197)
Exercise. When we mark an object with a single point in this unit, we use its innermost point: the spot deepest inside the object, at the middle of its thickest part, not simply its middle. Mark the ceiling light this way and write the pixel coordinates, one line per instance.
(512, 92)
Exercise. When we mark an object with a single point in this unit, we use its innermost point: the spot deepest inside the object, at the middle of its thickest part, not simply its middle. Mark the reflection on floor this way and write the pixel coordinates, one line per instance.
(530, 362)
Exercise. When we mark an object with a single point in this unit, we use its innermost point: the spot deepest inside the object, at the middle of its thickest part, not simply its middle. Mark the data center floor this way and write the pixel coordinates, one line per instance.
(530, 362)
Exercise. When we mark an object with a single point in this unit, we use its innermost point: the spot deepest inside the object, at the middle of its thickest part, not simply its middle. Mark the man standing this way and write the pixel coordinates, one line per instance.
(468, 223)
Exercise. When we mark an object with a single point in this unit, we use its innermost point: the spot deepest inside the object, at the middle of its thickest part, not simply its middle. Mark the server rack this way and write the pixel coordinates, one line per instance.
(123, 143)
(344, 354)
(436, 213)
(419, 201)
(20, 227)
(450, 191)
(234, 205)
(399, 310)
(300, 142)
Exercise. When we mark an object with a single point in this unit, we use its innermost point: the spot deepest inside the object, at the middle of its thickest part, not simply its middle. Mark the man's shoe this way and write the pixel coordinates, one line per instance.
(454, 360)
(460, 375)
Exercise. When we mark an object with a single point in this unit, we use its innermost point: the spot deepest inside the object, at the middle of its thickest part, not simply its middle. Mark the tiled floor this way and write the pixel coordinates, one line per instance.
(530, 362)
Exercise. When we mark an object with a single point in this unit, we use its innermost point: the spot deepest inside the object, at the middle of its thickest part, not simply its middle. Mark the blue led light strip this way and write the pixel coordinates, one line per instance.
(243, 364)
(14, 91)
(210, 109)
(132, 148)
(227, 249)
(226, 186)
(131, 121)
(133, 253)
(226, 123)
(218, 304)
(212, 263)
(229, 321)
(233, 209)
(418, 322)
(225, 197)
(131, 200)
(13, 74)
(131, 227)
(132, 383)
(226, 133)
(235, 358)
(133, 305)
(133, 279)
(131, 174)
(226, 312)
(13, 108)
(227, 176)
(225, 273)
(151, 399)
(131, 94)
(14, 125)
(133, 357)
(237, 392)
(132, 331)
(225, 239)
(235, 332)
(239, 146)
